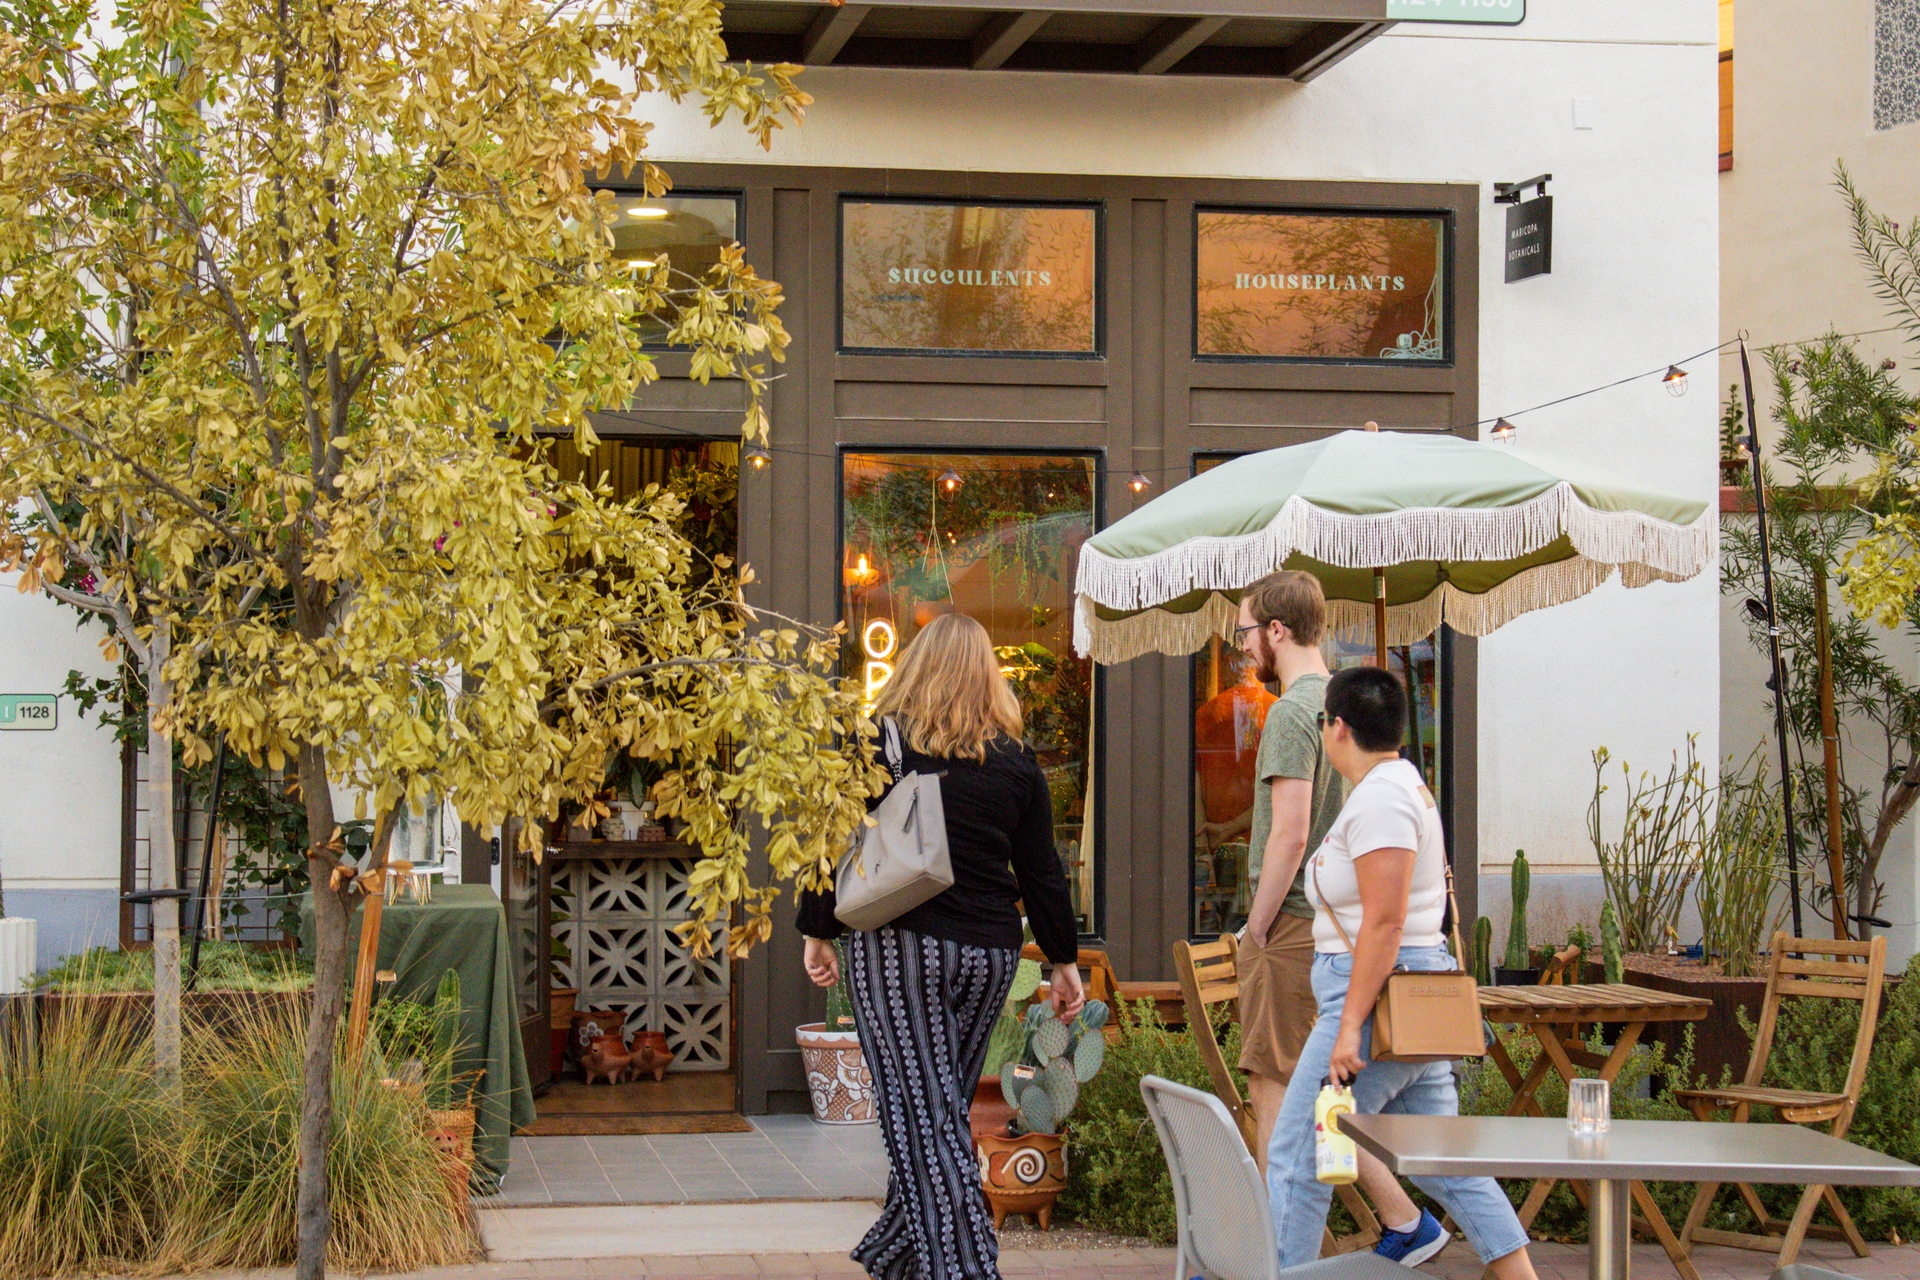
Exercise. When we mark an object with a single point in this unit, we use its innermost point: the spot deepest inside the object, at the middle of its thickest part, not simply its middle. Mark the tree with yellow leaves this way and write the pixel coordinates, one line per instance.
(292, 293)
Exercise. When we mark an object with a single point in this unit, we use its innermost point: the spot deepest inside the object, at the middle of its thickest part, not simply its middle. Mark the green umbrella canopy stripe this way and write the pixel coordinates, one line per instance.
(1469, 534)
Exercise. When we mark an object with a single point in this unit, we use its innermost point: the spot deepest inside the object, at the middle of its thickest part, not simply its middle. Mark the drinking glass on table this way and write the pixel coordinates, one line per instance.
(1589, 1106)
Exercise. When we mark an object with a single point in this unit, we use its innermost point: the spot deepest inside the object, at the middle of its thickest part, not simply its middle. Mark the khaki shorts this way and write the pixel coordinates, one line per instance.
(1277, 1006)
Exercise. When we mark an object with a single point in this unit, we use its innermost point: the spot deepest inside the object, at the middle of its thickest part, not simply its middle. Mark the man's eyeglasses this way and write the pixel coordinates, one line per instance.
(1239, 633)
(1322, 719)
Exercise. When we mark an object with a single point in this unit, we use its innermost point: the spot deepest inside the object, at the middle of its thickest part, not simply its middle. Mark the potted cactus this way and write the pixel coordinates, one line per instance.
(1025, 1171)
(1519, 969)
(1482, 948)
(838, 1081)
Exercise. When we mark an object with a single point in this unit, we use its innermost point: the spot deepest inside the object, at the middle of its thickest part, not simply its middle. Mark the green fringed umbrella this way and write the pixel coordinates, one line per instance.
(1467, 534)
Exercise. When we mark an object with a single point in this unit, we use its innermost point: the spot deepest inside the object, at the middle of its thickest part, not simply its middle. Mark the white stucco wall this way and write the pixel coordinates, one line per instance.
(60, 820)
(1634, 287)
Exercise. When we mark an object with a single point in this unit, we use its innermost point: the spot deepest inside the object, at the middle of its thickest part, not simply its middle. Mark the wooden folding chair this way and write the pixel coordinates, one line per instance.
(1855, 972)
(1209, 975)
(1555, 973)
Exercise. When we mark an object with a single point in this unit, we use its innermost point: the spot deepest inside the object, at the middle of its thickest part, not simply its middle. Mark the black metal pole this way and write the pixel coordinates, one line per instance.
(206, 859)
(1779, 681)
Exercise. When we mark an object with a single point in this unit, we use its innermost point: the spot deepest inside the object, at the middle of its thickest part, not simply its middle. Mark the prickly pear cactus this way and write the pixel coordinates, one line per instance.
(1610, 943)
(1483, 951)
(1518, 956)
(1064, 1056)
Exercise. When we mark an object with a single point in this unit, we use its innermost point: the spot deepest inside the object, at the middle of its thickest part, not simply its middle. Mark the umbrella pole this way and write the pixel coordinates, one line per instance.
(1779, 681)
(1380, 618)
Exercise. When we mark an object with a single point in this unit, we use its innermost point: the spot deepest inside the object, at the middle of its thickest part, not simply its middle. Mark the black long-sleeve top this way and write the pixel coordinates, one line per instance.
(1000, 834)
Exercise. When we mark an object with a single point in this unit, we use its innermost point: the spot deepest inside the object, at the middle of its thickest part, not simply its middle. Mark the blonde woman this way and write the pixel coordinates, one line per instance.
(927, 987)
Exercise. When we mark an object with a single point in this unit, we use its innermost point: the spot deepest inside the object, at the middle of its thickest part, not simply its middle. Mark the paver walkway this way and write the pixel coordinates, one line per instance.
(1554, 1262)
(784, 1158)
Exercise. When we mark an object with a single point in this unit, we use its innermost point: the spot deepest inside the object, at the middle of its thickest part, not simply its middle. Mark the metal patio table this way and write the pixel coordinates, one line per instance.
(1633, 1150)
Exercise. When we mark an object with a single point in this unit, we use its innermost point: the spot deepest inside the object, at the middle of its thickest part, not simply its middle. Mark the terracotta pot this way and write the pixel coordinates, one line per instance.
(557, 1049)
(451, 1133)
(589, 1025)
(560, 1006)
(1022, 1175)
(837, 1077)
(990, 1112)
(651, 1053)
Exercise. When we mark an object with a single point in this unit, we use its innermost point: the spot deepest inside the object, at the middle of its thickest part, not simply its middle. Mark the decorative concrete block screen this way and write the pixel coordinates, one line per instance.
(616, 918)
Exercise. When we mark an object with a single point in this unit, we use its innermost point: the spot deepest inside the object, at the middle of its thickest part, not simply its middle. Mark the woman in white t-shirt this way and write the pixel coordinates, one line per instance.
(1378, 884)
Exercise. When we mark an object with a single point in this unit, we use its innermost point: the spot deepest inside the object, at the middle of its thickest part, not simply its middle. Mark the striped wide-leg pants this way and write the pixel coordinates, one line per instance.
(925, 1009)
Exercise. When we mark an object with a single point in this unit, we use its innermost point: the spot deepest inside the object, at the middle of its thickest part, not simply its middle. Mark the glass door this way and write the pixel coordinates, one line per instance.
(523, 892)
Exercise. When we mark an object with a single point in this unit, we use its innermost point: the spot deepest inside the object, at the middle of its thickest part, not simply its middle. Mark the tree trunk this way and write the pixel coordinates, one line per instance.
(162, 868)
(314, 1223)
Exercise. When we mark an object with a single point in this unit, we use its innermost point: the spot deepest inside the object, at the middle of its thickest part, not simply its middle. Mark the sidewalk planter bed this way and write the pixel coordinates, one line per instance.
(1719, 1041)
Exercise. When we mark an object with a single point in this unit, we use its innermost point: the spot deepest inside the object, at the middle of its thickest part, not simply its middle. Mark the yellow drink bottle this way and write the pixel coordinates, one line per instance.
(1335, 1158)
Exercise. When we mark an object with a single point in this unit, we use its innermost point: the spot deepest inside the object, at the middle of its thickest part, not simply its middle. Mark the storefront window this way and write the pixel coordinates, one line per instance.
(1011, 279)
(1312, 286)
(688, 232)
(995, 537)
(1229, 712)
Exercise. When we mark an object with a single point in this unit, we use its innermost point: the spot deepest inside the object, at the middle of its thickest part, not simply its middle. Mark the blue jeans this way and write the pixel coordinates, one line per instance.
(1299, 1199)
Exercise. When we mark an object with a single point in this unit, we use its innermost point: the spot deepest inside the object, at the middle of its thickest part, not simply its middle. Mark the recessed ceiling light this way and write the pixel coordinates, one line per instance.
(645, 211)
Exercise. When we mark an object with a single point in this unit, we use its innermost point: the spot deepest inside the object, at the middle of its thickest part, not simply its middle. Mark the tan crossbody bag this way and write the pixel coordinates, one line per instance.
(1423, 1017)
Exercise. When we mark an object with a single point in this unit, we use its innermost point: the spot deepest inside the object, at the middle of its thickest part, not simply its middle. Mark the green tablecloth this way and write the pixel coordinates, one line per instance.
(463, 929)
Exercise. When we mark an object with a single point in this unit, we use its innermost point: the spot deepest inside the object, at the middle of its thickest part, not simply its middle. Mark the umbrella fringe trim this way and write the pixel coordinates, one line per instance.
(1351, 621)
(1670, 551)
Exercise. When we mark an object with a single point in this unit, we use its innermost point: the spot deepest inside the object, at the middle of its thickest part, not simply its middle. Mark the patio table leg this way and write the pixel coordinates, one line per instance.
(1609, 1230)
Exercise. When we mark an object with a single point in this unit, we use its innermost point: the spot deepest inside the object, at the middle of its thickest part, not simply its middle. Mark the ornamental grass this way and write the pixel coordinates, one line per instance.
(388, 1191)
(82, 1130)
(101, 1172)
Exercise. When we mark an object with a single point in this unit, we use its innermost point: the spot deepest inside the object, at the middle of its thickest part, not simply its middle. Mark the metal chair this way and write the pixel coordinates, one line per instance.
(1225, 1225)
(1209, 975)
(1856, 972)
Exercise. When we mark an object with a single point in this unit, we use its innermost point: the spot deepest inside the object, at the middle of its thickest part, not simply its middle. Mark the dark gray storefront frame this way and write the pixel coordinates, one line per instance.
(1147, 404)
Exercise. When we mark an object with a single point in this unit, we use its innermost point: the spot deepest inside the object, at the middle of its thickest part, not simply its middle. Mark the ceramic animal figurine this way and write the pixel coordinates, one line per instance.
(650, 1053)
(608, 1056)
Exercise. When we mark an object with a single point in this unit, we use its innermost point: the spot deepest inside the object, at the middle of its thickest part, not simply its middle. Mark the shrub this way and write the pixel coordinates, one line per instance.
(1812, 1047)
(387, 1190)
(84, 1184)
(224, 966)
(1117, 1178)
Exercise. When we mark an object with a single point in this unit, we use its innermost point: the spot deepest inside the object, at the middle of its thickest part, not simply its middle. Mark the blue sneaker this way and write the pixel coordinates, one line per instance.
(1411, 1248)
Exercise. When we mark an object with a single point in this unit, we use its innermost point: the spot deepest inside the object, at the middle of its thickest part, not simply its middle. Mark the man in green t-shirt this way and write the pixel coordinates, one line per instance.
(1297, 794)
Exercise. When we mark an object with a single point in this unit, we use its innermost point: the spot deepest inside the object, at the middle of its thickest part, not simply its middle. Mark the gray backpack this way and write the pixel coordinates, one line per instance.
(902, 859)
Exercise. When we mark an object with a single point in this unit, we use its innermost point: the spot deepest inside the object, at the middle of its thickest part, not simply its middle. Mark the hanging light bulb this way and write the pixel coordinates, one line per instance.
(950, 480)
(1140, 483)
(1675, 379)
(757, 457)
(1503, 431)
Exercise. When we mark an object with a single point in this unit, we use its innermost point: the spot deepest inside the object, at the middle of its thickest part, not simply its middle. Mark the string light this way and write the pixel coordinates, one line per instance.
(1139, 483)
(1675, 379)
(757, 457)
(950, 480)
(1503, 431)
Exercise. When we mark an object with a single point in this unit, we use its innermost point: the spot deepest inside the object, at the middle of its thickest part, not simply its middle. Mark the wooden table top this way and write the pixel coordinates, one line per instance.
(1590, 1002)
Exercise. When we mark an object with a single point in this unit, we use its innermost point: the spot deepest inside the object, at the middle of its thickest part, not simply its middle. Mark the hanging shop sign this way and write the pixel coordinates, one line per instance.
(970, 279)
(29, 711)
(1529, 243)
(1320, 286)
(1499, 12)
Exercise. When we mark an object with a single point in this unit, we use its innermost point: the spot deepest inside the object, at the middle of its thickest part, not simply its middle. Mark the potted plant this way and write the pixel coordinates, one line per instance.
(1519, 970)
(991, 1112)
(838, 1080)
(421, 1044)
(560, 1001)
(1026, 1170)
(19, 943)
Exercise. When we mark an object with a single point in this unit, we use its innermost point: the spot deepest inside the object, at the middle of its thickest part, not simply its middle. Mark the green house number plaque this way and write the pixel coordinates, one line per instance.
(29, 711)
(1503, 12)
